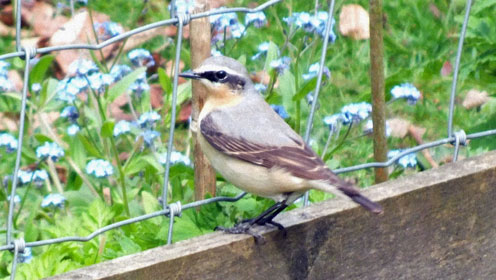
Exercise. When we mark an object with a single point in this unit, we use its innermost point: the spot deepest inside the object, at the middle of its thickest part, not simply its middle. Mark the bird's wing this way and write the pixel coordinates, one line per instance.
(267, 142)
(256, 134)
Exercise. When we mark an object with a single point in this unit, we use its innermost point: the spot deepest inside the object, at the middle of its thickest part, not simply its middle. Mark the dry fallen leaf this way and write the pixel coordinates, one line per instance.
(354, 22)
(434, 10)
(399, 127)
(16, 80)
(43, 21)
(475, 98)
(8, 122)
(446, 69)
(156, 96)
(76, 31)
(417, 132)
(185, 112)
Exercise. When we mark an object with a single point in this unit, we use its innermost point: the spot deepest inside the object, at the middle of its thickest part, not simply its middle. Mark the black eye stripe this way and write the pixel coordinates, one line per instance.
(234, 81)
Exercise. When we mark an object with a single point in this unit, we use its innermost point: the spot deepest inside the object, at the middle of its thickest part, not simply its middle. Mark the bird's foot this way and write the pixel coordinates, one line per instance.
(243, 228)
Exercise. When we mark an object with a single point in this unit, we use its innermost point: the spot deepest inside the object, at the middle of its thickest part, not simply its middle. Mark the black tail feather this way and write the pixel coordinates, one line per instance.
(357, 197)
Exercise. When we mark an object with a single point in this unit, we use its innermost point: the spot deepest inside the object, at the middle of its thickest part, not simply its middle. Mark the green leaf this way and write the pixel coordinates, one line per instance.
(164, 80)
(272, 54)
(40, 69)
(48, 91)
(308, 87)
(121, 86)
(42, 138)
(150, 203)
(108, 129)
(88, 146)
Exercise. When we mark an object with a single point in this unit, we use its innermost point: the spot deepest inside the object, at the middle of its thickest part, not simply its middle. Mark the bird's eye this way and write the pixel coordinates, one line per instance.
(221, 75)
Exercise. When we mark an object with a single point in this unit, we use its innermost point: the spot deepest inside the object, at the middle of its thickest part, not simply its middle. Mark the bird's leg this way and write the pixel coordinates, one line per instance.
(263, 219)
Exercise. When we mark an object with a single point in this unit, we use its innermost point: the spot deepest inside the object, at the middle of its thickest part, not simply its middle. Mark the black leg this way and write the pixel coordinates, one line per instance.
(263, 219)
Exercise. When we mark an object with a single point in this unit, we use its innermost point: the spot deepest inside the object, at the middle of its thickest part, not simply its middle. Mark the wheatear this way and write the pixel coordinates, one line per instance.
(253, 148)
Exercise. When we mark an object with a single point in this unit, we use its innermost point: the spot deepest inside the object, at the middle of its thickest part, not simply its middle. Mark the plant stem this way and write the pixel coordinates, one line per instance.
(121, 175)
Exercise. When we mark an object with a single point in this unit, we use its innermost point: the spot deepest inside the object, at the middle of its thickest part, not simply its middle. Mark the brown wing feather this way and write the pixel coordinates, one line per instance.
(299, 160)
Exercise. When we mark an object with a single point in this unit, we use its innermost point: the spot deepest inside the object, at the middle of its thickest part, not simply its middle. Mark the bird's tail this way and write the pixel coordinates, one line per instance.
(339, 187)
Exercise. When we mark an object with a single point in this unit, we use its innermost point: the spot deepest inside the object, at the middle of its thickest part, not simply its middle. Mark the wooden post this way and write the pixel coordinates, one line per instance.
(377, 84)
(199, 30)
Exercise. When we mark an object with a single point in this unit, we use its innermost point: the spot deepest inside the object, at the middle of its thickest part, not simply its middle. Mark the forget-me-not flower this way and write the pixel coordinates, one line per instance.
(356, 112)
(148, 119)
(36, 88)
(49, 150)
(407, 91)
(107, 29)
(149, 136)
(279, 109)
(119, 71)
(176, 157)
(53, 200)
(82, 67)
(334, 121)
(312, 23)
(8, 141)
(141, 57)
(369, 128)
(409, 160)
(313, 70)
(17, 199)
(26, 256)
(280, 64)
(262, 49)
(99, 168)
(258, 19)
(73, 129)
(70, 112)
(122, 127)
(184, 6)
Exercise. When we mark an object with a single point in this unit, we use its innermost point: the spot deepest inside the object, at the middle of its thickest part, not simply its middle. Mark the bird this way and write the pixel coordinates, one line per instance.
(253, 148)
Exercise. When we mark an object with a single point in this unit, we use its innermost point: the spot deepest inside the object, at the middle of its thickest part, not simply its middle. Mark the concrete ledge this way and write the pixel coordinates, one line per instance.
(438, 224)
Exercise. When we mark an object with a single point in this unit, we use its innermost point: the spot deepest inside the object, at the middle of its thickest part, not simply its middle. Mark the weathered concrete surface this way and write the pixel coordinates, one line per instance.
(438, 224)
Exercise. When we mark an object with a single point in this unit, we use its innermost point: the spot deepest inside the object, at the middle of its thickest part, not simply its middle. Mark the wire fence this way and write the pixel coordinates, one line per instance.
(18, 246)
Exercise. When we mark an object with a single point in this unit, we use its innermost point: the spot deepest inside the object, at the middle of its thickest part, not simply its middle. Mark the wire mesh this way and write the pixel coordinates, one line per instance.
(174, 209)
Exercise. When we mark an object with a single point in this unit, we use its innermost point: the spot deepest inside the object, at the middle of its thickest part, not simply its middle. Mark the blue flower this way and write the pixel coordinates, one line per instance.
(73, 129)
(119, 71)
(313, 70)
(107, 29)
(38, 177)
(122, 127)
(149, 136)
(17, 199)
(140, 85)
(312, 23)
(407, 91)
(49, 150)
(70, 112)
(4, 66)
(260, 87)
(221, 21)
(82, 67)
(176, 158)
(262, 49)
(279, 109)
(26, 256)
(258, 19)
(184, 6)
(369, 128)
(36, 88)
(98, 81)
(53, 200)
(334, 121)
(409, 160)
(67, 89)
(148, 119)
(8, 141)
(237, 30)
(309, 98)
(215, 52)
(356, 112)
(141, 57)
(280, 64)
(5, 83)
(99, 168)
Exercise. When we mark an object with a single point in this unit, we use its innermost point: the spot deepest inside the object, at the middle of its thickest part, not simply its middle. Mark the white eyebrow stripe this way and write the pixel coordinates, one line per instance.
(216, 68)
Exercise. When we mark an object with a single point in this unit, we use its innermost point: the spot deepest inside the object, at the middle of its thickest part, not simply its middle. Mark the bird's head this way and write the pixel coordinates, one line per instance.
(220, 74)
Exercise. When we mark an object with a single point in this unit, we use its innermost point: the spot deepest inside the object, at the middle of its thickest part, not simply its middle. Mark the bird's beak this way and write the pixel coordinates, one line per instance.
(190, 75)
